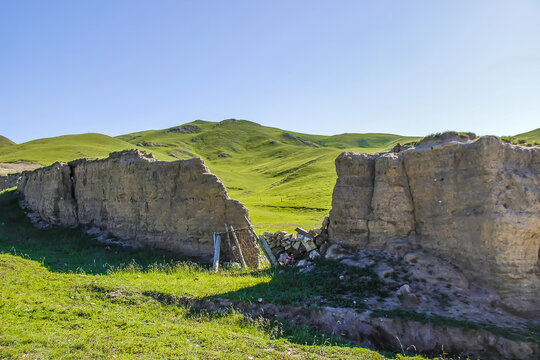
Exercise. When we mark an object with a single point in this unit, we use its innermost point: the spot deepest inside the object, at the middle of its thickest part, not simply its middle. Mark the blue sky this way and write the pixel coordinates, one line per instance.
(324, 67)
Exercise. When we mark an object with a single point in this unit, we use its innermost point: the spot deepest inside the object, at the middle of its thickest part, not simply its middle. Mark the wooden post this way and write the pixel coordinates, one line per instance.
(229, 242)
(239, 248)
(217, 249)
(263, 244)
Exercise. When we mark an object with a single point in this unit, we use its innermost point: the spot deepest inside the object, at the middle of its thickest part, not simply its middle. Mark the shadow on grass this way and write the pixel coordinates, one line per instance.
(299, 334)
(66, 250)
(330, 283)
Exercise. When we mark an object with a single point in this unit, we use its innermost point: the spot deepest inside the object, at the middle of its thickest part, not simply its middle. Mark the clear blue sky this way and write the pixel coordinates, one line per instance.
(323, 67)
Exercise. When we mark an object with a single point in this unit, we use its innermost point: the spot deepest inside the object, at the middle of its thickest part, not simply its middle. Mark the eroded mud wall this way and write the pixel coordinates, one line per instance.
(475, 203)
(174, 206)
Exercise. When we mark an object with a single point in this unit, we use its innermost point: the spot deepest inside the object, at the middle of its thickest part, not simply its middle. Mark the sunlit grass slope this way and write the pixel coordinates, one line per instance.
(284, 178)
(4, 141)
(530, 137)
(63, 148)
(65, 296)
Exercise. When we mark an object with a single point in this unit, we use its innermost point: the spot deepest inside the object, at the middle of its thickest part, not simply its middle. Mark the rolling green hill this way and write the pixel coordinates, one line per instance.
(284, 178)
(531, 137)
(4, 141)
(62, 148)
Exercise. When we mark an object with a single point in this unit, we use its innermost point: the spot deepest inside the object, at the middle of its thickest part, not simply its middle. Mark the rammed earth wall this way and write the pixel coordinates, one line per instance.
(174, 206)
(9, 181)
(475, 203)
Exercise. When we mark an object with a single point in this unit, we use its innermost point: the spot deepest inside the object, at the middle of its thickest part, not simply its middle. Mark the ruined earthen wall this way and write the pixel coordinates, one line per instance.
(9, 181)
(174, 206)
(474, 203)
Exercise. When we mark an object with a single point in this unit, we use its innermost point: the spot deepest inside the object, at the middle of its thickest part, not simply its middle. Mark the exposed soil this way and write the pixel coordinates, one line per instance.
(10, 168)
(365, 329)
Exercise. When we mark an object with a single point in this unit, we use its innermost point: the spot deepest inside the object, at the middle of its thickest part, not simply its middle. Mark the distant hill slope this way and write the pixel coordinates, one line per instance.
(530, 137)
(284, 178)
(62, 148)
(4, 141)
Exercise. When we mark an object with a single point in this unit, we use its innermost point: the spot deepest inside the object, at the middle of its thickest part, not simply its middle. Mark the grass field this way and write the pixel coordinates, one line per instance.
(65, 296)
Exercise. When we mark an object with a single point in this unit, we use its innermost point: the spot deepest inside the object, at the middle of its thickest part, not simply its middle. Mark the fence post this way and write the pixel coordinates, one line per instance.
(239, 248)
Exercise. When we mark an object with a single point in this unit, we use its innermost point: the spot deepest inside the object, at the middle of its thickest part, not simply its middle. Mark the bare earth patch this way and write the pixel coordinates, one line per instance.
(10, 168)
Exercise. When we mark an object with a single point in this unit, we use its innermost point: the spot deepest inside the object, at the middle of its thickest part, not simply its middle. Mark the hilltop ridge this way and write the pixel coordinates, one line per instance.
(212, 138)
(63, 148)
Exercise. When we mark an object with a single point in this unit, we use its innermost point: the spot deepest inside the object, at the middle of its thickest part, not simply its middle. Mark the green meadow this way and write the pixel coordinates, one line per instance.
(65, 296)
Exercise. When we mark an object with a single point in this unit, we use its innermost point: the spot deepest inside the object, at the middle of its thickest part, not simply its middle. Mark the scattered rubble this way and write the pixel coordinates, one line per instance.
(36, 220)
(106, 238)
(404, 276)
(95, 232)
(8, 181)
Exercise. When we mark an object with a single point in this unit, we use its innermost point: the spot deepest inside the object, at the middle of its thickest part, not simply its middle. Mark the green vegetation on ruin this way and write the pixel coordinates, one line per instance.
(65, 296)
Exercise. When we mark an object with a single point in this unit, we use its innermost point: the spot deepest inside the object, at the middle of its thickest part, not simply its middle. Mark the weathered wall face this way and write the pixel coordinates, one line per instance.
(474, 203)
(48, 191)
(168, 205)
(9, 181)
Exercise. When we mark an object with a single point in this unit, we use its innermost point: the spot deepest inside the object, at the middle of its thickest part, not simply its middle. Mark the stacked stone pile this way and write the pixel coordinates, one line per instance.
(290, 247)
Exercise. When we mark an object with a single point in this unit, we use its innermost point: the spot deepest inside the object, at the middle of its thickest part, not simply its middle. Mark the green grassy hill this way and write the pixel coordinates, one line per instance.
(284, 178)
(4, 141)
(63, 148)
(531, 137)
